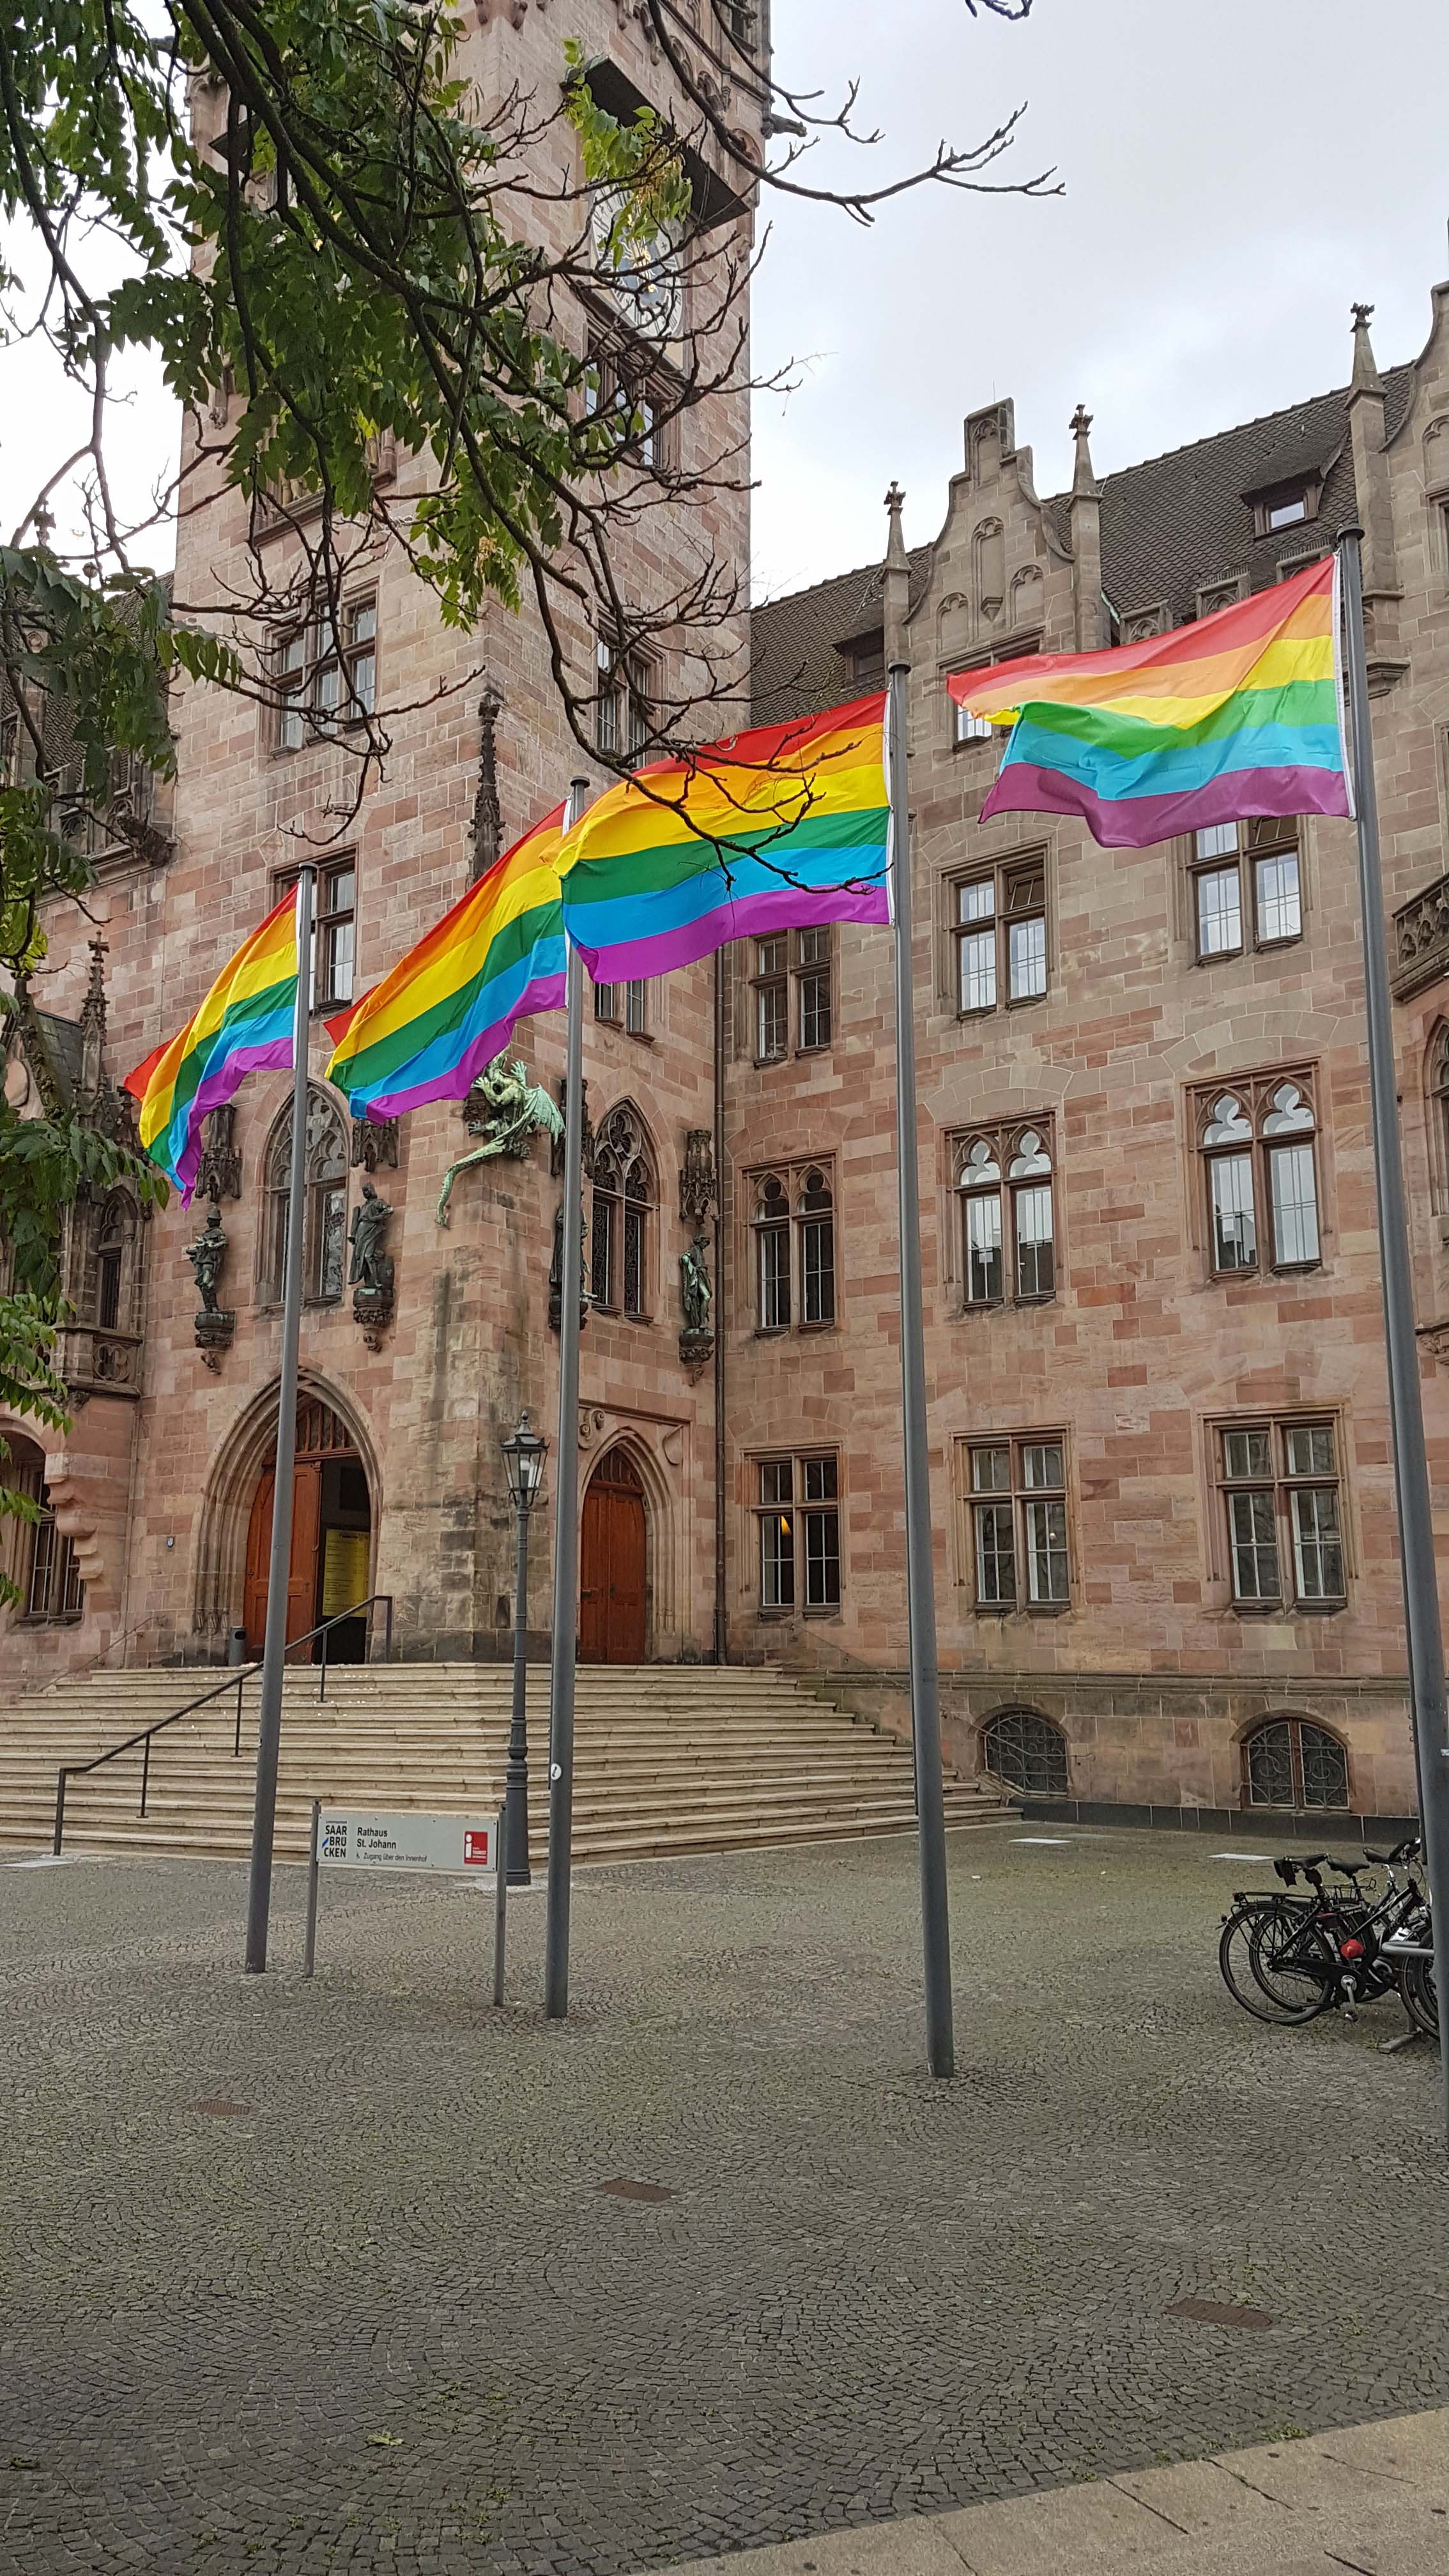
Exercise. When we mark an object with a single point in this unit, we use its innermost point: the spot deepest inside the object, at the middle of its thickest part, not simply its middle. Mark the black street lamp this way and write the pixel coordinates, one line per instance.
(524, 1453)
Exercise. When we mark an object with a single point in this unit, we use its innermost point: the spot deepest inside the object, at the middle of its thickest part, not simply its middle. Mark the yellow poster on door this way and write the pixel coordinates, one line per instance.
(345, 1556)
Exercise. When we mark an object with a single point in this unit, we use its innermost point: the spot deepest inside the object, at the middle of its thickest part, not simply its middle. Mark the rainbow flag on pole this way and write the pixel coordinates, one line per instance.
(244, 1026)
(431, 1027)
(769, 830)
(1239, 714)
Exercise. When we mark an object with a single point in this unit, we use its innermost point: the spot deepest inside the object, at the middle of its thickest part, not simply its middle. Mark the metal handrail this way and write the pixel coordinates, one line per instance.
(76, 1770)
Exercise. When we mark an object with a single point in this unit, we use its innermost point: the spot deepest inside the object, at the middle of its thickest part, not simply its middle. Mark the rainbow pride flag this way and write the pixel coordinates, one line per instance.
(1239, 714)
(244, 1026)
(429, 1028)
(769, 830)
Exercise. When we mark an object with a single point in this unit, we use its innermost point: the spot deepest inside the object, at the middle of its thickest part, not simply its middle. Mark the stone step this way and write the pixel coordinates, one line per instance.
(592, 1841)
(668, 1759)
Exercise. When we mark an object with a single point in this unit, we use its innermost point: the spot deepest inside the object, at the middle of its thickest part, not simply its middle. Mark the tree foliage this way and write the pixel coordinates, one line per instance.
(337, 248)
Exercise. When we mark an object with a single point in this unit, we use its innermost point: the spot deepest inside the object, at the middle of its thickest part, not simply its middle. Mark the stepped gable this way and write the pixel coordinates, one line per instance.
(796, 664)
(1170, 526)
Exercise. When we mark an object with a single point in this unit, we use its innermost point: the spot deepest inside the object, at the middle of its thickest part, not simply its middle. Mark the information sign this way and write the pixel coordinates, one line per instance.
(347, 1838)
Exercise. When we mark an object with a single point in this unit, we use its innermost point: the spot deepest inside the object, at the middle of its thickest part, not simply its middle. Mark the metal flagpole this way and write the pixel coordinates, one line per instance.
(1406, 1403)
(566, 1498)
(274, 1649)
(920, 1572)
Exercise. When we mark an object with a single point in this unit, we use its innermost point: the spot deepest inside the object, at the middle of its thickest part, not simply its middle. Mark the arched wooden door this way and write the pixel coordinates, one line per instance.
(331, 1536)
(613, 1604)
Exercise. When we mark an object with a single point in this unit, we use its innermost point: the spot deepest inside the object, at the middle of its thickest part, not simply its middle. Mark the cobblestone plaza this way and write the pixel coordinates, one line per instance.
(323, 2277)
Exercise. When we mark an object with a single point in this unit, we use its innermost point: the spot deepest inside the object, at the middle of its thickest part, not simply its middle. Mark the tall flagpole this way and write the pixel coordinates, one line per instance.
(1406, 1400)
(274, 1649)
(566, 1497)
(920, 1570)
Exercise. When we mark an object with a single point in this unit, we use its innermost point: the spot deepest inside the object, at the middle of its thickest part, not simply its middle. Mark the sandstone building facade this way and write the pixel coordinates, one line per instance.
(1166, 1571)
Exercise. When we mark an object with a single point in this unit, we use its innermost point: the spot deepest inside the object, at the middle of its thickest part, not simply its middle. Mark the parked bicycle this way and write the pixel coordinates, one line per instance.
(1290, 1953)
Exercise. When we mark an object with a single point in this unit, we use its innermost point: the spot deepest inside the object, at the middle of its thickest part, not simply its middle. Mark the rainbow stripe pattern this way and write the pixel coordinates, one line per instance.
(431, 1027)
(1239, 714)
(244, 1026)
(769, 830)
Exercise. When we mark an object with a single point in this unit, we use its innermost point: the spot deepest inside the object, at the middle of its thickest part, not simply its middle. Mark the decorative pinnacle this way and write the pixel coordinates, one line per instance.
(896, 558)
(1365, 371)
(1084, 481)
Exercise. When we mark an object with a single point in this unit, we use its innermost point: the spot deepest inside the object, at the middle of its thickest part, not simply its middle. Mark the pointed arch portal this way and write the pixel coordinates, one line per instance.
(331, 1536)
(614, 1564)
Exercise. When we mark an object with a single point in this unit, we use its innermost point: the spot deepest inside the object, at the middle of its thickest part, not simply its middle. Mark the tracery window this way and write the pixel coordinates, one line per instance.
(1258, 1146)
(1439, 1116)
(111, 1285)
(794, 1229)
(1008, 1219)
(626, 1196)
(324, 1221)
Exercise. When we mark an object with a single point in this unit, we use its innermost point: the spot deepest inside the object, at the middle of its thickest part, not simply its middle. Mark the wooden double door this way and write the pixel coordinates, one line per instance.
(614, 1565)
(331, 1537)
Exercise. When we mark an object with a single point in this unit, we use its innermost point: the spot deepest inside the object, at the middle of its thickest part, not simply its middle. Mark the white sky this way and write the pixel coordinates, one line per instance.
(1237, 172)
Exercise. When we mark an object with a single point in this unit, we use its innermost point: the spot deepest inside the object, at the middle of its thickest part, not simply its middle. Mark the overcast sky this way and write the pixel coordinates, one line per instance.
(1236, 173)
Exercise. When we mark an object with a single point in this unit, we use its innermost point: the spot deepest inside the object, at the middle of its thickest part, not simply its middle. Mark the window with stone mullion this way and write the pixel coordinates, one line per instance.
(1004, 1179)
(1281, 1499)
(1258, 1141)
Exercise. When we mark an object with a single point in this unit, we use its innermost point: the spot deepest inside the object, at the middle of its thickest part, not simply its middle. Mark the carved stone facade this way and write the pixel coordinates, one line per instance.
(420, 1395)
(1162, 1494)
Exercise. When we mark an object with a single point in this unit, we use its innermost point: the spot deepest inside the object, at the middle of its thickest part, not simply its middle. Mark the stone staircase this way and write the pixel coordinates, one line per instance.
(668, 1759)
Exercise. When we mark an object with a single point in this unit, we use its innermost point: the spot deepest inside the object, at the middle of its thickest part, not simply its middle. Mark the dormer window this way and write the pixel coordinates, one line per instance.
(1286, 504)
(864, 659)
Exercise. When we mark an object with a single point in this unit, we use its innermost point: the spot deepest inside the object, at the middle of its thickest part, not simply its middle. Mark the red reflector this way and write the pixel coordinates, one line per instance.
(1353, 1949)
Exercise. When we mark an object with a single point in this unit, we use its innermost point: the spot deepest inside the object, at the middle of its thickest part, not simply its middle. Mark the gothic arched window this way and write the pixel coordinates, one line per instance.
(112, 1283)
(625, 1197)
(1439, 1115)
(324, 1223)
(1257, 1142)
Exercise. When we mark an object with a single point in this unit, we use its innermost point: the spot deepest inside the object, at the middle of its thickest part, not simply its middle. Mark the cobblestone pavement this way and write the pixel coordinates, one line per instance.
(382, 2316)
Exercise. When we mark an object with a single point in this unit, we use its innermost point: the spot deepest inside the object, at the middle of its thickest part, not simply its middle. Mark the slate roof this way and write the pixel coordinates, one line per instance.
(795, 665)
(65, 1045)
(1170, 526)
(1179, 521)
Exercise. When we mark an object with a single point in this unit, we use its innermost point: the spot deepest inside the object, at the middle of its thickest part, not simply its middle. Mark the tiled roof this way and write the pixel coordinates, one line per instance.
(1179, 521)
(795, 665)
(1169, 527)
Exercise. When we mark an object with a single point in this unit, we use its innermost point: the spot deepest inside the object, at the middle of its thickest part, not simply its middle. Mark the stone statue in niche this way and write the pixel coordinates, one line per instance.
(694, 1287)
(371, 1275)
(216, 1324)
(507, 1111)
(371, 1266)
(697, 1297)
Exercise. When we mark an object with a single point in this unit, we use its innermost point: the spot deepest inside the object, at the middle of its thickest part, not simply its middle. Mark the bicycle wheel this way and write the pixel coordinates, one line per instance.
(1292, 1965)
(1235, 1959)
(1421, 2000)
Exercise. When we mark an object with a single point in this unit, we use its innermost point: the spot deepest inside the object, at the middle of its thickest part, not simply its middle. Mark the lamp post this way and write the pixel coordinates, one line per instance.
(524, 1453)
